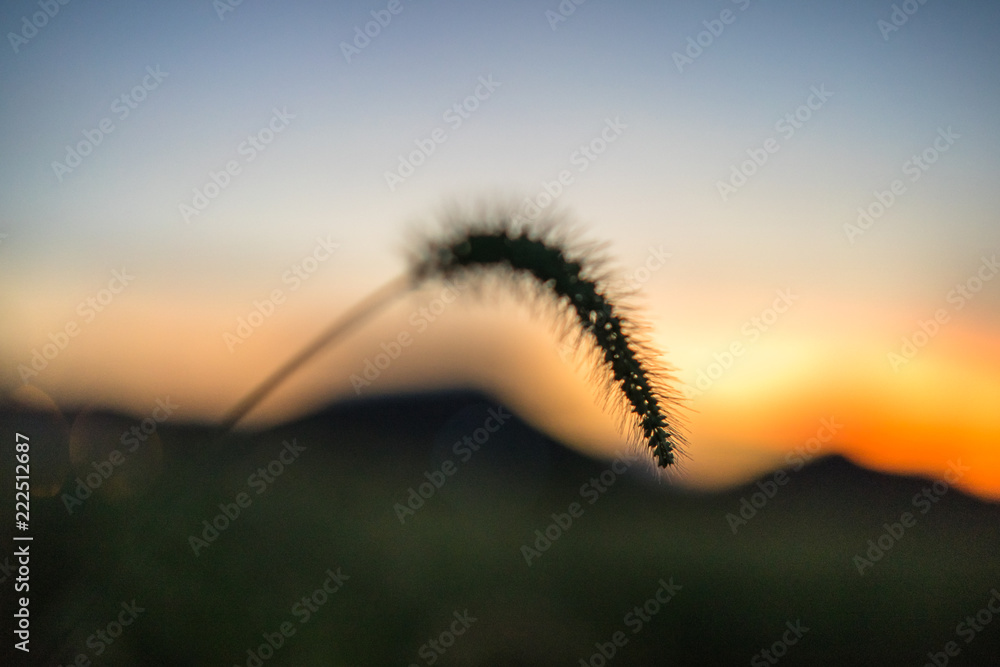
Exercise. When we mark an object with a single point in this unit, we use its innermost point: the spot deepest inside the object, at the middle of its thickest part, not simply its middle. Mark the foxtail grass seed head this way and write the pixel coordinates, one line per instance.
(572, 275)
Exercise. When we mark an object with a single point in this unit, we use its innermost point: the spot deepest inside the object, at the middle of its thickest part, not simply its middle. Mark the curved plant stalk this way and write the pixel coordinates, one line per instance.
(375, 301)
(554, 270)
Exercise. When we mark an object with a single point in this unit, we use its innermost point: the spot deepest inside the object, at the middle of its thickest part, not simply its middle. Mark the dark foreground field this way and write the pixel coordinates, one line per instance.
(326, 564)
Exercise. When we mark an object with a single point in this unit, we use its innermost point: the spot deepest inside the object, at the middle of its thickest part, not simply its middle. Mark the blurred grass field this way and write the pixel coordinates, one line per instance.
(333, 507)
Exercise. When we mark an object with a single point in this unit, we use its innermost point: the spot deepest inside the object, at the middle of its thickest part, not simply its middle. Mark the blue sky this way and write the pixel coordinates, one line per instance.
(225, 77)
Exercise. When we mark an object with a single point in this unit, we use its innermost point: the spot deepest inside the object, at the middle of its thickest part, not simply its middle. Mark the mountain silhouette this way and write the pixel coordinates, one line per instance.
(414, 528)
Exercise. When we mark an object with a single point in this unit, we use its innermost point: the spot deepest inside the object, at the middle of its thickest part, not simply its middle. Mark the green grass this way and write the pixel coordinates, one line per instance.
(334, 508)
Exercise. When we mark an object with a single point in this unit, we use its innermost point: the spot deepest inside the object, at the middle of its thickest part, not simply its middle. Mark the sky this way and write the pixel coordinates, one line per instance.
(802, 196)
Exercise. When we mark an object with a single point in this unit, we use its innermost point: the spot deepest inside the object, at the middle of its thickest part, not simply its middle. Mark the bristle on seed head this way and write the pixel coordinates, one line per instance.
(572, 274)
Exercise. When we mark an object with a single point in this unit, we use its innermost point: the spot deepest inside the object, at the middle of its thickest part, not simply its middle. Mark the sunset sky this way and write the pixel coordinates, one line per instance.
(803, 193)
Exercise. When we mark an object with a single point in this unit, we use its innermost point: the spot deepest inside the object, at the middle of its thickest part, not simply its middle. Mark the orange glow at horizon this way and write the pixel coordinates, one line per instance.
(940, 407)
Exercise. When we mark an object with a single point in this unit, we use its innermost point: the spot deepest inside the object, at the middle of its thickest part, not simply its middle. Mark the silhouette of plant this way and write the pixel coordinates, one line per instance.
(539, 257)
